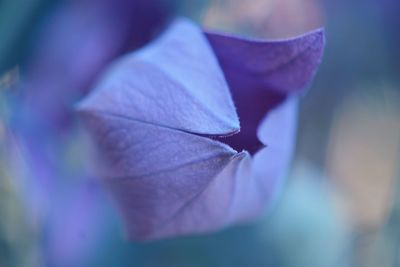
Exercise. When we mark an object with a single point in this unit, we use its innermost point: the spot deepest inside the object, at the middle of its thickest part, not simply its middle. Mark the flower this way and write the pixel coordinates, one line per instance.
(165, 124)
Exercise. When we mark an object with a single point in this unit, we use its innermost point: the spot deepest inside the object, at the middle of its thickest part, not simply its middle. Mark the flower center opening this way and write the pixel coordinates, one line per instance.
(252, 105)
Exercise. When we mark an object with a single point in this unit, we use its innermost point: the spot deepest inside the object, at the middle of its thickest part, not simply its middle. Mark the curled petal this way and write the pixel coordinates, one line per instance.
(284, 66)
(261, 74)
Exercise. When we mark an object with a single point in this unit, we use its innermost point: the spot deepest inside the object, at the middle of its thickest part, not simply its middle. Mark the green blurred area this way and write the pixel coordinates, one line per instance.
(18, 20)
(19, 242)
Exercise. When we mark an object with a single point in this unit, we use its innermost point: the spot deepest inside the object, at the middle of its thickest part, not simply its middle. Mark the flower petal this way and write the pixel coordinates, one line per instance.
(284, 66)
(262, 73)
(246, 186)
(151, 170)
(278, 133)
(178, 183)
(176, 83)
(215, 207)
(134, 148)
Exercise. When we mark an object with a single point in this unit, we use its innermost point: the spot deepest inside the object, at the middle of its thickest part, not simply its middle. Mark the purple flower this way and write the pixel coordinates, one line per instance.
(165, 121)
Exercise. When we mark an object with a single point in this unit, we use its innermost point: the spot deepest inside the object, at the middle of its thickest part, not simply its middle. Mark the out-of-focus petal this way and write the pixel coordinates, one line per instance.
(76, 225)
(76, 42)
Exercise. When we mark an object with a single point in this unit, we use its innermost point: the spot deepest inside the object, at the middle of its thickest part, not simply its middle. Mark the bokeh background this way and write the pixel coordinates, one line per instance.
(340, 205)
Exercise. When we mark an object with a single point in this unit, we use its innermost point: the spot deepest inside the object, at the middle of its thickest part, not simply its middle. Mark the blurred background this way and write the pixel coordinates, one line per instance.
(341, 202)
